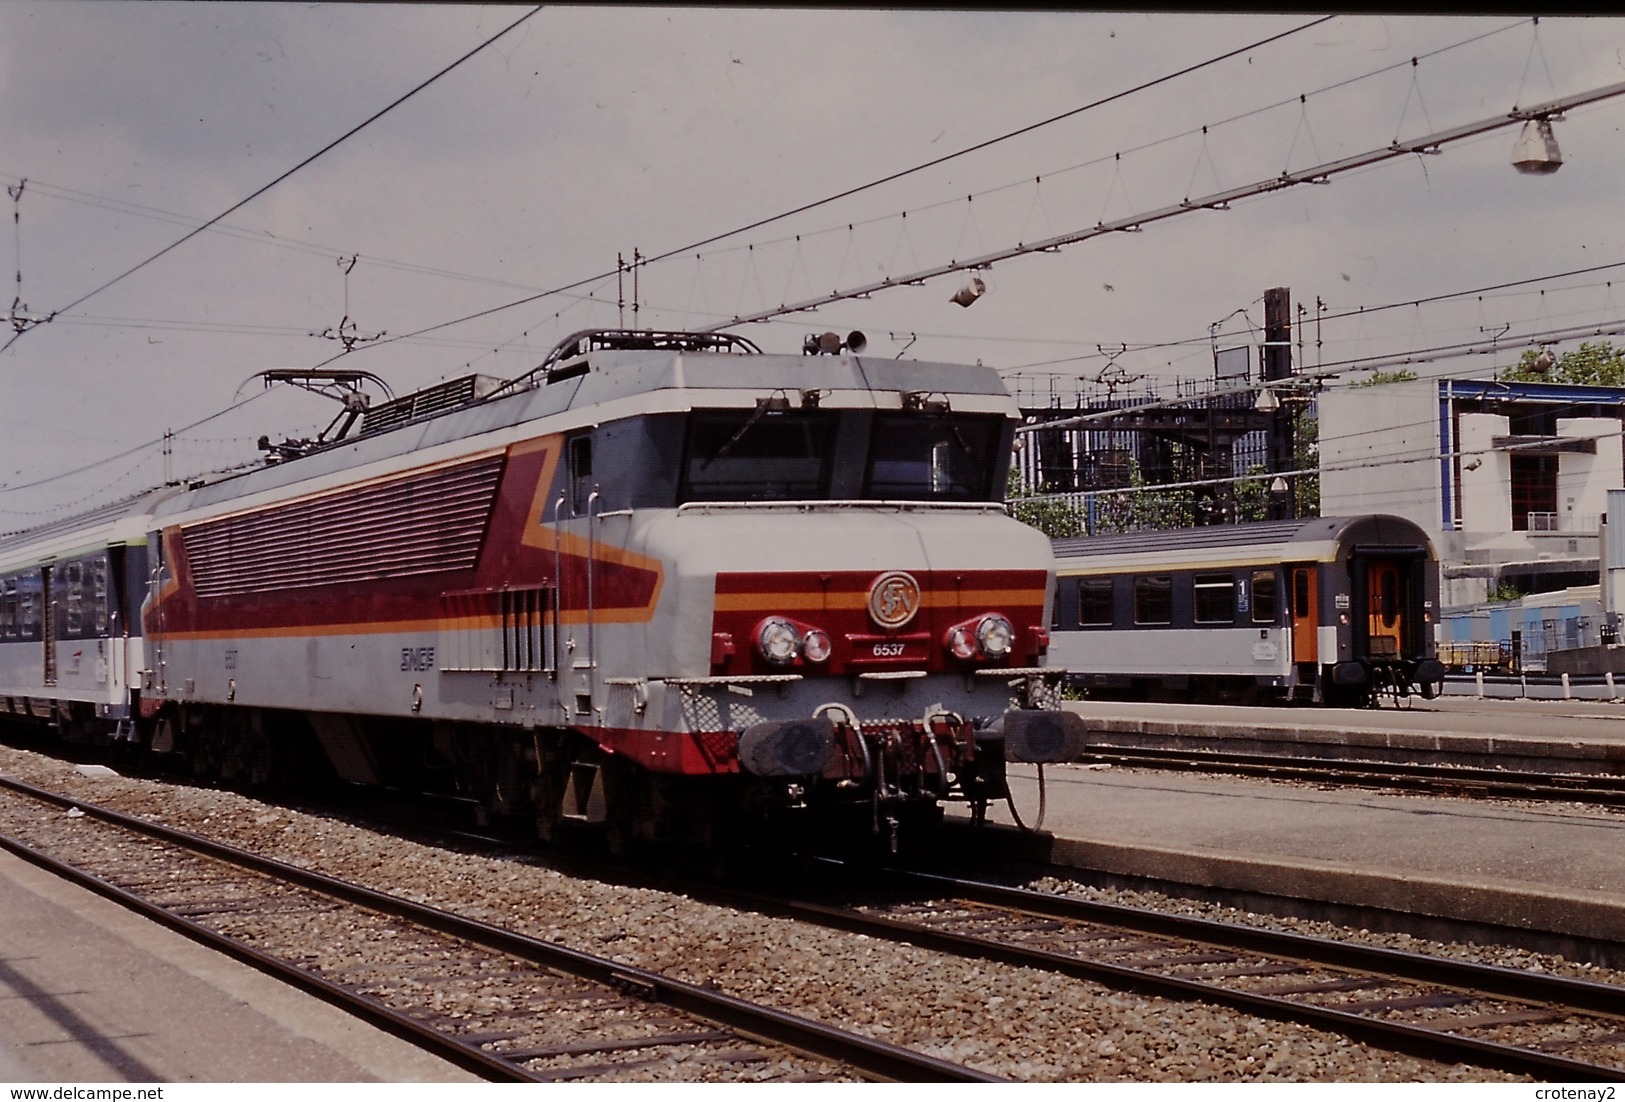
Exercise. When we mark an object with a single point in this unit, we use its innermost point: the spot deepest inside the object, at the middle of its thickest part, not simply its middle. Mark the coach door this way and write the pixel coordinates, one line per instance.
(1304, 594)
(1385, 599)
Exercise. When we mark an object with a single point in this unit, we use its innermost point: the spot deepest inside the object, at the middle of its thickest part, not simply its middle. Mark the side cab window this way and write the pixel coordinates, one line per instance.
(578, 455)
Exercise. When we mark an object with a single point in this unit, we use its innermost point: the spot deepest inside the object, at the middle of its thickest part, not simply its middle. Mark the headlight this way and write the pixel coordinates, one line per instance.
(815, 646)
(777, 640)
(995, 636)
(962, 642)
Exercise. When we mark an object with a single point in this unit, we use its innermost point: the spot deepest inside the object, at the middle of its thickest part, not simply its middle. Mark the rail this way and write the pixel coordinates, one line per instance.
(871, 1058)
(1255, 970)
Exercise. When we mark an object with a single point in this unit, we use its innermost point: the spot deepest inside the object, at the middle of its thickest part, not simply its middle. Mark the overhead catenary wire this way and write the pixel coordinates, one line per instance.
(1205, 340)
(1216, 201)
(1112, 158)
(1611, 328)
(126, 453)
(374, 117)
(682, 250)
(255, 236)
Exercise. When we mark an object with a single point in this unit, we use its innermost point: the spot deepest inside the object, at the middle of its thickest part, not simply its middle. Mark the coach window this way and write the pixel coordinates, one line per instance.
(1153, 599)
(74, 575)
(8, 607)
(1095, 602)
(1264, 608)
(26, 619)
(1215, 599)
(1388, 589)
(98, 594)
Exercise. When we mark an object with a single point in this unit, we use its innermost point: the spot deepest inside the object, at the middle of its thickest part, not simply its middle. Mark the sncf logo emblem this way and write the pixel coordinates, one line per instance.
(894, 598)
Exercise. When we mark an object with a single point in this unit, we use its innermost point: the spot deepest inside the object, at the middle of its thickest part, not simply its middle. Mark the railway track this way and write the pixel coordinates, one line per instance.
(503, 1005)
(1548, 1027)
(1599, 789)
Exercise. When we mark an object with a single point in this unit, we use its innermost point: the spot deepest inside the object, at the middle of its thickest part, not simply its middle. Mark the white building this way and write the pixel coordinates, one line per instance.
(1511, 478)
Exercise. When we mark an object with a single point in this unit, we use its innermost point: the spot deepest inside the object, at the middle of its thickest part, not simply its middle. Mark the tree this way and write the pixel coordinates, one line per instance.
(1382, 378)
(1594, 363)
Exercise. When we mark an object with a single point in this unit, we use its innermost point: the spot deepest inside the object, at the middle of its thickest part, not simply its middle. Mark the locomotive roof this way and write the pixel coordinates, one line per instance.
(589, 378)
(612, 383)
(1272, 540)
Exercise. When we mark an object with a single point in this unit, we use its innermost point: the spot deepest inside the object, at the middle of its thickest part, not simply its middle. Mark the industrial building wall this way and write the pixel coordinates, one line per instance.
(1486, 474)
(1378, 451)
(1583, 481)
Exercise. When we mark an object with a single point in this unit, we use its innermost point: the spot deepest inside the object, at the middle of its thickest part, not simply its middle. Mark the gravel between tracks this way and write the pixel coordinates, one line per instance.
(1020, 1023)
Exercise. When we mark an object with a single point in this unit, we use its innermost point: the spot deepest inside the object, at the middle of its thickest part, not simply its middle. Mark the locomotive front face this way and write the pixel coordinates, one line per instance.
(852, 603)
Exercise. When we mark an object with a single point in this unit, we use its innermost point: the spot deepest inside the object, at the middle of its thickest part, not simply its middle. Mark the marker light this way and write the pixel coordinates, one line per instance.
(815, 646)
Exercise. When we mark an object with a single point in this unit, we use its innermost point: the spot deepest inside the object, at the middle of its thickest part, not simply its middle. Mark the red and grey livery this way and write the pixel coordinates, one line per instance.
(664, 584)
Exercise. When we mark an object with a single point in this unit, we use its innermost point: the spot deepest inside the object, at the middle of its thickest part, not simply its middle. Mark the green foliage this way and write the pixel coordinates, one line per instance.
(1503, 591)
(1055, 517)
(1594, 363)
(1252, 495)
(1141, 506)
(1382, 378)
(1306, 457)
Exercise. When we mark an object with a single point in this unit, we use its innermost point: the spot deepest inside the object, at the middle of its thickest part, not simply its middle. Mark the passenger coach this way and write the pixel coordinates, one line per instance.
(1328, 609)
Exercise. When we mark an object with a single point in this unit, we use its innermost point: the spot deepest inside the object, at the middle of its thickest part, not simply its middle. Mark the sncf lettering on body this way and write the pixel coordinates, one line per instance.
(417, 658)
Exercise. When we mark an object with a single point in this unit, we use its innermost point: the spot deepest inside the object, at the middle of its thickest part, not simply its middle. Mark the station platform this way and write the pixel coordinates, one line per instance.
(93, 993)
(1573, 736)
(1552, 868)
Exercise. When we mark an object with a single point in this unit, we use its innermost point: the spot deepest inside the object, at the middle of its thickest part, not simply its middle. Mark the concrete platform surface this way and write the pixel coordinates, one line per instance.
(1537, 719)
(1558, 869)
(1559, 736)
(93, 993)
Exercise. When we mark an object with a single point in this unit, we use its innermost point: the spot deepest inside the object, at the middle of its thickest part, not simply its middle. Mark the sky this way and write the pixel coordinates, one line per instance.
(592, 133)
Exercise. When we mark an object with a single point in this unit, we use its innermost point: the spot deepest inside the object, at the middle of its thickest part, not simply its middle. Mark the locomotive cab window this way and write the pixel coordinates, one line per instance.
(932, 457)
(1264, 603)
(581, 484)
(1095, 602)
(1214, 598)
(1153, 599)
(758, 455)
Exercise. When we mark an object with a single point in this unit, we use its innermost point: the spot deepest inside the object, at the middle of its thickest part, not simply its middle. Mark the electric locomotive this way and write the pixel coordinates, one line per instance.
(1323, 609)
(664, 586)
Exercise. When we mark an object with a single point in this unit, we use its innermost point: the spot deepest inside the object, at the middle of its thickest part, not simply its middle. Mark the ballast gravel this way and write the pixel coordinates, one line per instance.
(1019, 1023)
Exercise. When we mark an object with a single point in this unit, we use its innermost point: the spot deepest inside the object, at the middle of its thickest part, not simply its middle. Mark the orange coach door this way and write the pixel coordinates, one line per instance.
(1384, 595)
(1304, 592)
